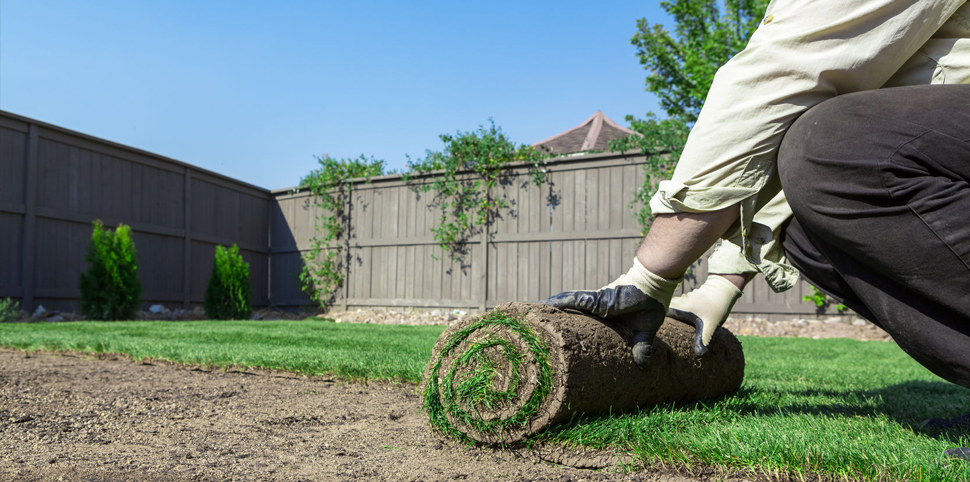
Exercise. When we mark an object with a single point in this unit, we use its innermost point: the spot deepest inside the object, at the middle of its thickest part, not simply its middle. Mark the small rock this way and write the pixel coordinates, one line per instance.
(158, 309)
(860, 322)
(256, 316)
(55, 318)
(833, 320)
(435, 312)
(40, 311)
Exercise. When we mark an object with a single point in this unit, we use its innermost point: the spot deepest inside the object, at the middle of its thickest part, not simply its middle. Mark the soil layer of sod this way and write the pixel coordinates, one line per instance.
(513, 372)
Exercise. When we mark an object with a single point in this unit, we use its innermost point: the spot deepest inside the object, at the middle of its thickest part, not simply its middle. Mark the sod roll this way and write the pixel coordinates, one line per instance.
(511, 373)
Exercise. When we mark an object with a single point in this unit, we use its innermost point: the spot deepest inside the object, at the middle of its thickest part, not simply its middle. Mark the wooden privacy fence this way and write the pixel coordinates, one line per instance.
(55, 182)
(577, 232)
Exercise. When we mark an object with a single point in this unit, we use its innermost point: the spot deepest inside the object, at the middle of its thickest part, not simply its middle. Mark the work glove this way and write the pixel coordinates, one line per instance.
(637, 300)
(706, 308)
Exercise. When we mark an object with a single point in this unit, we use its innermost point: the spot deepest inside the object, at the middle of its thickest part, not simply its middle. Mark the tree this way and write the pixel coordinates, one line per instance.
(228, 295)
(682, 67)
(707, 34)
(110, 289)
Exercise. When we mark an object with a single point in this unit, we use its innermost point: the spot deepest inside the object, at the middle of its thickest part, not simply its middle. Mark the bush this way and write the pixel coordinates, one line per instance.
(110, 290)
(9, 310)
(228, 295)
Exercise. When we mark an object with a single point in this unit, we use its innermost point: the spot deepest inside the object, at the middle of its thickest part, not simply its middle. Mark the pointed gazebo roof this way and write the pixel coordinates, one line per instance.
(593, 134)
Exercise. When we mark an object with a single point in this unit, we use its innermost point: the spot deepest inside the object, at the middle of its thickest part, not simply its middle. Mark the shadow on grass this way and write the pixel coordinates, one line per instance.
(908, 404)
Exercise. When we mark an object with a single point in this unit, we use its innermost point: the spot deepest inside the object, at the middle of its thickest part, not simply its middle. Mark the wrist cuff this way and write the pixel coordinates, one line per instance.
(658, 287)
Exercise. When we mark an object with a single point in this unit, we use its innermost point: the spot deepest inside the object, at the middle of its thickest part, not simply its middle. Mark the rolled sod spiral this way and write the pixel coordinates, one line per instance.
(511, 373)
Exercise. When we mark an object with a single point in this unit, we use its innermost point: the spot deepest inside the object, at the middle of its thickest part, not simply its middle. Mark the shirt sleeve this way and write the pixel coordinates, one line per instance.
(805, 51)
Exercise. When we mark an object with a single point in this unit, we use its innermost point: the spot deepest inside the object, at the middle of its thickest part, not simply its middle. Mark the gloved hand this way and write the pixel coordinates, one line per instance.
(706, 308)
(637, 299)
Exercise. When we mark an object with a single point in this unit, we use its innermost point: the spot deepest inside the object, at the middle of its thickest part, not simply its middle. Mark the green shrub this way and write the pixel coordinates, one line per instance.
(228, 295)
(9, 310)
(110, 290)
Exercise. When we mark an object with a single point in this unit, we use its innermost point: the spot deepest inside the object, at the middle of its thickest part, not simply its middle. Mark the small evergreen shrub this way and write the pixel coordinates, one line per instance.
(228, 295)
(110, 289)
(9, 310)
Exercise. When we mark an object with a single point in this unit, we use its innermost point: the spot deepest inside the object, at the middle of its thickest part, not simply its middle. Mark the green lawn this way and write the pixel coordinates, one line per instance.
(838, 407)
(312, 347)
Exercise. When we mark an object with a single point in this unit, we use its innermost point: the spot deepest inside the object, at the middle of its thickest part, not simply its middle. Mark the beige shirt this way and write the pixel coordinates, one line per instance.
(804, 52)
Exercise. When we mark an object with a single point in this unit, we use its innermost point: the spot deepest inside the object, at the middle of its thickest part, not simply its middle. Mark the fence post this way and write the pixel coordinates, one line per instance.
(483, 293)
(269, 249)
(347, 258)
(30, 219)
(187, 243)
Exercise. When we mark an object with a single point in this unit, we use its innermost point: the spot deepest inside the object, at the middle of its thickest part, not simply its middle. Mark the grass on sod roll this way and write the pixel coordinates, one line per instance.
(838, 407)
(466, 398)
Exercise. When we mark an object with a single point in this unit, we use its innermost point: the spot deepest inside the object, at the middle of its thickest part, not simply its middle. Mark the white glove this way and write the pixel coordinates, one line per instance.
(706, 308)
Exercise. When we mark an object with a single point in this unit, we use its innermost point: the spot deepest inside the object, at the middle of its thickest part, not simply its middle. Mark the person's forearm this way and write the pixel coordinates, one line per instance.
(675, 241)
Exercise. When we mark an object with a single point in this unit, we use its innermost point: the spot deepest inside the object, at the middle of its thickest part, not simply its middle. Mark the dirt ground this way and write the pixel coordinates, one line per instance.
(80, 418)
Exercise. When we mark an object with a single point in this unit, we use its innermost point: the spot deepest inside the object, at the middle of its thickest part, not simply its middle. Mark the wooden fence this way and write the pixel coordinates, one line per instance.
(577, 232)
(55, 182)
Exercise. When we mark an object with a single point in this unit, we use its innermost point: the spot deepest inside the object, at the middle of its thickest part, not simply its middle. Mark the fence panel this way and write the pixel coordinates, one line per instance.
(55, 182)
(13, 204)
(579, 231)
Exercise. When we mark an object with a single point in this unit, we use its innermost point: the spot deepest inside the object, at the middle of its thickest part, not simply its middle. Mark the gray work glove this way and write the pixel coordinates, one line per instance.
(638, 300)
(706, 308)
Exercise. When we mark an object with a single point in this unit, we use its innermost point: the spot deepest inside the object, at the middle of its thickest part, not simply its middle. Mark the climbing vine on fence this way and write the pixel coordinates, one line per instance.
(661, 142)
(462, 177)
(330, 187)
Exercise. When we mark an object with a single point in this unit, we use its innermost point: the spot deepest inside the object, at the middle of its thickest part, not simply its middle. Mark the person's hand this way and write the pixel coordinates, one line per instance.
(706, 308)
(637, 299)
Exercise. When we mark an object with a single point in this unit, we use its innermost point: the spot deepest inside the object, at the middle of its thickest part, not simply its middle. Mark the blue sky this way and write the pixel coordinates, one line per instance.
(254, 90)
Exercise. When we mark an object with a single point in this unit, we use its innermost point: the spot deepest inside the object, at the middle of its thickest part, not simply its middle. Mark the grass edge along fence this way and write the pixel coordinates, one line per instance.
(839, 407)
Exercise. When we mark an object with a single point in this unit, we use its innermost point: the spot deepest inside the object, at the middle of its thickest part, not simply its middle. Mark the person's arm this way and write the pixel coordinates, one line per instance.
(804, 53)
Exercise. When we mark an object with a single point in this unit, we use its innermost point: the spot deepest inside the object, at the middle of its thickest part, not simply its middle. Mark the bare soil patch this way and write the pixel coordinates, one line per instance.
(75, 417)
